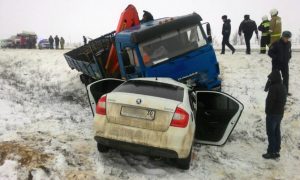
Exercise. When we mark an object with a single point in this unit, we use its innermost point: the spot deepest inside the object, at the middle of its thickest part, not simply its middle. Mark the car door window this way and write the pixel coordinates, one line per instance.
(217, 115)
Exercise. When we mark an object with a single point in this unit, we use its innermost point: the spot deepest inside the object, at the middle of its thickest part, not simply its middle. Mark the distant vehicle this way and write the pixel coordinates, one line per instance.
(7, 43)
(25, 39)
(44, 44)
(160, 117)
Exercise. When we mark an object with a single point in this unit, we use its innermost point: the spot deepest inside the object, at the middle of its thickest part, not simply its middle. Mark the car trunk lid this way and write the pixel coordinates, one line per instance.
(141, 111)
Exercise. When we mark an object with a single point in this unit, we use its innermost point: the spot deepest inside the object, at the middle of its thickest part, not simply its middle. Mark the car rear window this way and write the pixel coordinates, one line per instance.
(151, 88)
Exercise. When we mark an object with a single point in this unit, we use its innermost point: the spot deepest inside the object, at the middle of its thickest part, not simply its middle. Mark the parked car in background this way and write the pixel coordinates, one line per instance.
(160, 117)
(7, 43)
(44, 44)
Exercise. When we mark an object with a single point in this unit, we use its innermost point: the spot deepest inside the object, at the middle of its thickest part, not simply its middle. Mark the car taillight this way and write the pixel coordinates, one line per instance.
(101, 106)
(180, 118)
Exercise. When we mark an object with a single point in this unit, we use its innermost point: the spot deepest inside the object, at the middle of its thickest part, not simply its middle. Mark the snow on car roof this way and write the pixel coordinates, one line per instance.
(162, 80)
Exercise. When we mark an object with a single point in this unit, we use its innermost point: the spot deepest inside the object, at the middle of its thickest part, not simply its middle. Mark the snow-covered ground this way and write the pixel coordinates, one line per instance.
(45, 125)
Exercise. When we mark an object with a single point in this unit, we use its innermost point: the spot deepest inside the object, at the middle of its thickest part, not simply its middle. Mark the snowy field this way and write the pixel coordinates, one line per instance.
(45, 125)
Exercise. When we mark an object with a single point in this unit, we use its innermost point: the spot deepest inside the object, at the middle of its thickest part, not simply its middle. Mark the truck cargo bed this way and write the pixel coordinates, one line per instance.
(90, 59)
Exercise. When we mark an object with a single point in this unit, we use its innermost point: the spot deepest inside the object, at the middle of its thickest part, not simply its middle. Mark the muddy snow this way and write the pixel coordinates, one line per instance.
(45, 125)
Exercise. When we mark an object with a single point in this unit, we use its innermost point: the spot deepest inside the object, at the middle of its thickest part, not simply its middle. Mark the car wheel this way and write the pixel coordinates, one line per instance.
(185, 162)
(101, 148)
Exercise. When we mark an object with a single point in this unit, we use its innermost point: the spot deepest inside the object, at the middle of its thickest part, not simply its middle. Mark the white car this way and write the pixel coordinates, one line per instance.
(160, 117)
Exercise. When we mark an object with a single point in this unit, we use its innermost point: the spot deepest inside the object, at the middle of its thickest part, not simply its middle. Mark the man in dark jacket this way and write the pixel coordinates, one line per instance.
(248, 26)
(56, 42)
(226, 30)
(281, 53)
(274, 109)
(84, 40)
(51, 40)
(147, 16)
(264, 27)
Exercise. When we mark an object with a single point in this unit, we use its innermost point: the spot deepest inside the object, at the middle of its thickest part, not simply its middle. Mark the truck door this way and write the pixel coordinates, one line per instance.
(216, 116)
(99, 88)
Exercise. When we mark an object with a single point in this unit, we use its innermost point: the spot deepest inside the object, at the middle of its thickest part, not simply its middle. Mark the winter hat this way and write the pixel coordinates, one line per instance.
(264, 18)
(147, 16)
(274, 12)
(273, 77)
(286, 34)
(224, 17)
(247, 16)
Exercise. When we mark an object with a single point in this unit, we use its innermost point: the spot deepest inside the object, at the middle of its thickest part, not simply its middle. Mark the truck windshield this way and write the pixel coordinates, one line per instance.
(171, 44)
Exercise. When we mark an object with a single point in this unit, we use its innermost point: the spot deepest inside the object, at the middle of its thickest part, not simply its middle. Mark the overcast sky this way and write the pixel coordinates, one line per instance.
(74, 18)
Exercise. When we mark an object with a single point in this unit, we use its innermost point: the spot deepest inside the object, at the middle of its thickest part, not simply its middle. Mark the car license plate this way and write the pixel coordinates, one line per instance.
(148, 114)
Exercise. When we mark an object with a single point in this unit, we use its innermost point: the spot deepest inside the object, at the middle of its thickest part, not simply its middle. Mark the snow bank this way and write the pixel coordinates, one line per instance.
(9, 170)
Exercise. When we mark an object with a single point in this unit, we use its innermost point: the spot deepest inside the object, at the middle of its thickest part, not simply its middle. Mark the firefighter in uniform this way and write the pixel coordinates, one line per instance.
(264, 27)
(275, 26)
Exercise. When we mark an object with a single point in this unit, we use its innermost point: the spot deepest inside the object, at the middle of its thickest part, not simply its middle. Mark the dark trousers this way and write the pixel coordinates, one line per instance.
(284, 69)
(248, 37)
(273, 132)
(226, 42)
(264, 42)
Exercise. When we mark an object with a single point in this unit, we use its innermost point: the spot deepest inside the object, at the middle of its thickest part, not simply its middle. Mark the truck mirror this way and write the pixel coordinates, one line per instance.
(125, 58)
(208, 32)
(129, 69)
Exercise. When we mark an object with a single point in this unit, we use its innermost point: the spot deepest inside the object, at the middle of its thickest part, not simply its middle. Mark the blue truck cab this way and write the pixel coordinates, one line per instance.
(169, 47)
(176, 47)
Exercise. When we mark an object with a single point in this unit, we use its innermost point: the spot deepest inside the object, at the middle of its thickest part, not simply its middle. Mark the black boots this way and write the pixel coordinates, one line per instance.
(271, 155)
(223, 52)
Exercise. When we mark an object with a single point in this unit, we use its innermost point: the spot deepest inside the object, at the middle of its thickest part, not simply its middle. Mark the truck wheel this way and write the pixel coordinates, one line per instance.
(101, 148)
(185, 162)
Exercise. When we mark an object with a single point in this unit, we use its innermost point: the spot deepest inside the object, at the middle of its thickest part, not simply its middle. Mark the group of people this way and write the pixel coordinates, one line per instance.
(277, 85)
(271, 31)
(57, 42)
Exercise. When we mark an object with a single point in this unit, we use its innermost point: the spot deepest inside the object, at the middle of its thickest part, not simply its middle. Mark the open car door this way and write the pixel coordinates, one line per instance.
(99, 88)
(216, 116)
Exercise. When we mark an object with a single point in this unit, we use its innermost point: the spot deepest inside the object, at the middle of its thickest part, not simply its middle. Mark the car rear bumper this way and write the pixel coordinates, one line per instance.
(136, 148)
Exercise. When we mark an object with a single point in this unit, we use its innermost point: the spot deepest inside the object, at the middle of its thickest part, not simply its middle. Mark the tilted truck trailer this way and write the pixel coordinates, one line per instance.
(175, 47)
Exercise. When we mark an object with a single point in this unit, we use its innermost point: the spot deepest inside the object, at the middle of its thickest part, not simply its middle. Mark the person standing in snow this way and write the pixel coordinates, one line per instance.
(56, 42)
(84, 40)
(226, 30)
(62, 43)
(51, 40)
(281, 53)
(248, 26)
(147, 16)
(275, 26)
(264, 27)
(274, 109)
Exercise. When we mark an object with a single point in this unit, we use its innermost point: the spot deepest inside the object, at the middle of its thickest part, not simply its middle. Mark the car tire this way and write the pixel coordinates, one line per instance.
(185, 162)
(101, 148)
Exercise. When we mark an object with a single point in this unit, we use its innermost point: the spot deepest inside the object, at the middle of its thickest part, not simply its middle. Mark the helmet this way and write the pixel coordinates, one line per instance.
(286, 34)
(274, 12)
(264, 18)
